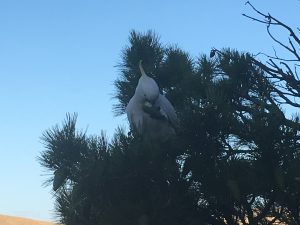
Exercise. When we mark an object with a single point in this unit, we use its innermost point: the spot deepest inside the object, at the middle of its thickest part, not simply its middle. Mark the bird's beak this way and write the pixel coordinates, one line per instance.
(148, 104)
(152, 102)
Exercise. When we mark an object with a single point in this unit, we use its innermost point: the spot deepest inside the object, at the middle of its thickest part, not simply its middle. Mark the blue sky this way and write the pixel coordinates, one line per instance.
(59, 56)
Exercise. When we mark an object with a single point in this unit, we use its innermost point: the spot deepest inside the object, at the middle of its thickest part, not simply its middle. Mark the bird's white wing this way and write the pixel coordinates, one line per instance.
(134, 114)
(167, 110)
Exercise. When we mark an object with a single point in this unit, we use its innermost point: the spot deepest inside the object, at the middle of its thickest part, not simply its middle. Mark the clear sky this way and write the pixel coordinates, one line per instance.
(59, 56)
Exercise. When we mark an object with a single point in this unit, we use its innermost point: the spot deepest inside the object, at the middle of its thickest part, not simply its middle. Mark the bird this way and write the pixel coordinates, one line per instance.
(149, 112)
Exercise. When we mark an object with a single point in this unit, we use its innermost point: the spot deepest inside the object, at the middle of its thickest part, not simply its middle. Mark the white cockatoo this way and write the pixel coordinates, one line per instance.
(149, 112)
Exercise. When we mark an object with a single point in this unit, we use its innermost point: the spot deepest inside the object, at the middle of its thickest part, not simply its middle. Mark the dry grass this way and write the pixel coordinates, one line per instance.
(11, 220)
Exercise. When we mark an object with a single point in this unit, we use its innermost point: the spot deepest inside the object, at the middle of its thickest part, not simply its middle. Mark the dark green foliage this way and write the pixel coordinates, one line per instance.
(235, 159)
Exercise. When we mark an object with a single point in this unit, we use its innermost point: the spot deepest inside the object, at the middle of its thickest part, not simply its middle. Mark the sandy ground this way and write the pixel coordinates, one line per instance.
(11, 220)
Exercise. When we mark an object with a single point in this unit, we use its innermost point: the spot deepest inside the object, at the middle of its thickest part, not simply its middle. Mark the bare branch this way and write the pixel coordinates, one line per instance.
(257, 11)
(292, 33)
(255, 19)
(278, 42)
(287, 100)
(276, 57)
(289, 71)
(276, 22)
(294, 49)
(296, 72)
(270, 20)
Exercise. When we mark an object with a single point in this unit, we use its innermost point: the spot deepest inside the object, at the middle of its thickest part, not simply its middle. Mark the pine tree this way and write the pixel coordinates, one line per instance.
(235, 158)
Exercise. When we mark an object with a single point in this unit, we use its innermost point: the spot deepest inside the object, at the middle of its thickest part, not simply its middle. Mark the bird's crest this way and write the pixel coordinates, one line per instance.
(141, 68)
